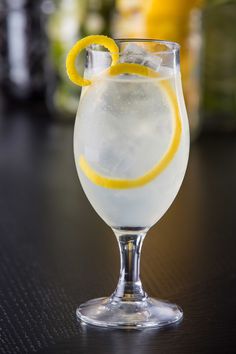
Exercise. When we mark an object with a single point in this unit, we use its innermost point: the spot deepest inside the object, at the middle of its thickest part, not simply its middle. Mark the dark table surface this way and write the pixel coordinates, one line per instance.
(55, 252)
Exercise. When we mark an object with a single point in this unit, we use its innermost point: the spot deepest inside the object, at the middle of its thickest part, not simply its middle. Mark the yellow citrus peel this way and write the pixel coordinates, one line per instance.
(104, 41)
(119, 183)
(118, 69)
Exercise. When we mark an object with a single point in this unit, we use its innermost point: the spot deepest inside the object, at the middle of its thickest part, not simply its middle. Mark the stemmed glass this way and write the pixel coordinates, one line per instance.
(131, 147)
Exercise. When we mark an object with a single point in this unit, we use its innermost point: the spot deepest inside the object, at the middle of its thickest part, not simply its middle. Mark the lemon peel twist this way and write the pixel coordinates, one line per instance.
(105, 41)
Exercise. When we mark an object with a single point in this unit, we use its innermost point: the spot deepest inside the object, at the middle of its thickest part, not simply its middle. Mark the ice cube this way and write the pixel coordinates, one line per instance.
(134, 53)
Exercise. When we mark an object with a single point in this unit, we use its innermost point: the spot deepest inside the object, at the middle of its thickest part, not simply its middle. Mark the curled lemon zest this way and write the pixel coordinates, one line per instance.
(104, 41)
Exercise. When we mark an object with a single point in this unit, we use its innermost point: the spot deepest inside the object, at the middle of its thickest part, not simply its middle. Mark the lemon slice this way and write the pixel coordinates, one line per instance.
(105, 41)
(119, 183)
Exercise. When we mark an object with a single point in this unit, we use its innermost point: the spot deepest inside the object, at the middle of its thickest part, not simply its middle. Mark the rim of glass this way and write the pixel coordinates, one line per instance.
(173, 47)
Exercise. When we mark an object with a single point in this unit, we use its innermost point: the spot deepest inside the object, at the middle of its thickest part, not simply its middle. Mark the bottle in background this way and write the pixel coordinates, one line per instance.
(219, 66)
(23, 48)
(63, 29)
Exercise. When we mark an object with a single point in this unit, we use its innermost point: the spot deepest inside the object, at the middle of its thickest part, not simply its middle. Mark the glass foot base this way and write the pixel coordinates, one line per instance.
(107, 312)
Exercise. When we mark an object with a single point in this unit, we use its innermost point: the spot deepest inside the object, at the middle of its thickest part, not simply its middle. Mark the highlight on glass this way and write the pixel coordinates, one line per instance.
(131, 147)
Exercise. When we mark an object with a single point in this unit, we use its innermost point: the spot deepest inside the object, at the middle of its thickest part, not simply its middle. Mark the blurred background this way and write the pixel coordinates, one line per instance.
(35, 37)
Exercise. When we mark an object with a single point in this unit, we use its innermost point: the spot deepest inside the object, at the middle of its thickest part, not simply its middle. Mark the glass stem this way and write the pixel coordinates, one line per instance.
(129, 287)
